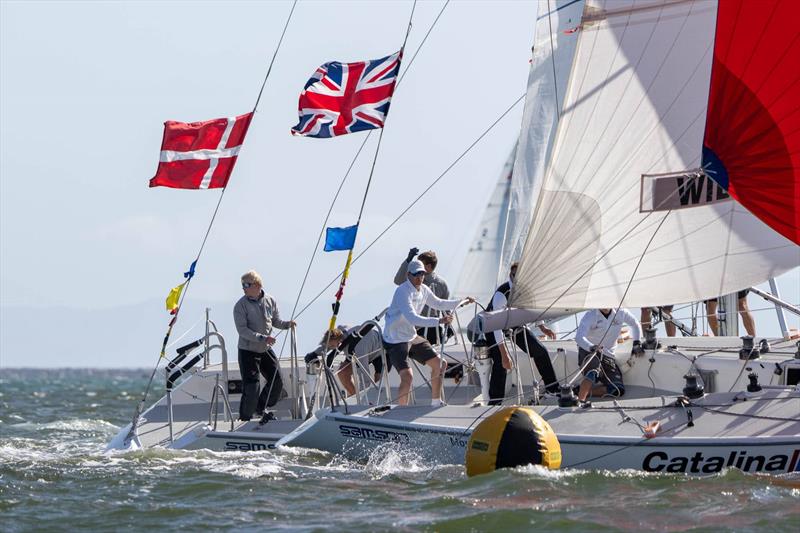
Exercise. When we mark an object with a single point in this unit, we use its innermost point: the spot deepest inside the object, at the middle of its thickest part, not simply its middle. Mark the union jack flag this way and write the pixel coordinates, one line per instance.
(342, 98)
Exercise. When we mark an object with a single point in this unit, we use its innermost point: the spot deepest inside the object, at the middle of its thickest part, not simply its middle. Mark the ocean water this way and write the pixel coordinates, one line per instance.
(55, 476)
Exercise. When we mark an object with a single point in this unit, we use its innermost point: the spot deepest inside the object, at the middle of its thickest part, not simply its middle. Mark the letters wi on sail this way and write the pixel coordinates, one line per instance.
(679, 190)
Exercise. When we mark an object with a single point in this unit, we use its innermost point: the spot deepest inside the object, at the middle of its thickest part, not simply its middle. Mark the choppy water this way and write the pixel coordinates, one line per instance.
(54, 476)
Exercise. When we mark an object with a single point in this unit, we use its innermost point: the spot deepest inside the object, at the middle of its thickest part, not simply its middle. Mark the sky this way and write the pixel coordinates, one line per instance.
(88, 252)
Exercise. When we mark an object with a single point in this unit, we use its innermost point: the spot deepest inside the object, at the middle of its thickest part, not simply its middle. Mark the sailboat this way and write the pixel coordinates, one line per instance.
(613, 119)
(669, 174)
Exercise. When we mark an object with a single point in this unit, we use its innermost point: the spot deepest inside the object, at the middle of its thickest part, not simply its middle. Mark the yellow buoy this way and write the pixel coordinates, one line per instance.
(513, 436)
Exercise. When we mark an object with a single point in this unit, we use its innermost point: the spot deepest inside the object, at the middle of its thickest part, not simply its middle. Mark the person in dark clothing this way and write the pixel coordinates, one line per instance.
(255, 314)
(525, 339)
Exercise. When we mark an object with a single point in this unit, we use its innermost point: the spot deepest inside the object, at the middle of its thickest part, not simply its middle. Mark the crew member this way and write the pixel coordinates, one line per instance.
(744, 311)
(401, 339)
(255, 314)
(360, 342)
(524, 338)
(669, 325)
(597, 338)
(363, 346)
(437, 284)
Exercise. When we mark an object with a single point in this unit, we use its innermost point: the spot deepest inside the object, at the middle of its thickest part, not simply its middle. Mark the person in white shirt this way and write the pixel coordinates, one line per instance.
(400, 337)
(597, 338)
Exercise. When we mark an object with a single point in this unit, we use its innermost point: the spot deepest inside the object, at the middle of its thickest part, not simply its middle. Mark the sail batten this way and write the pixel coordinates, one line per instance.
(630, 156)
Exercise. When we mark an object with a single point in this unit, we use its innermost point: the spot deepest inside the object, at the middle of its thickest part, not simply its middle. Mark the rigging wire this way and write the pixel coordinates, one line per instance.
(417, 199)
(188, 282)
(337, 303)
(349, 169)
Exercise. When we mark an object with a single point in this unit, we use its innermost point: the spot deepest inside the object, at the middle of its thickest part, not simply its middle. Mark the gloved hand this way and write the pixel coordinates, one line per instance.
(637, 348)
(412, 253)
(593, 348)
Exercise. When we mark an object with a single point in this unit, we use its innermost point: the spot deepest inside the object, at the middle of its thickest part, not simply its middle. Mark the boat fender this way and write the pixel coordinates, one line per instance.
(511, 437)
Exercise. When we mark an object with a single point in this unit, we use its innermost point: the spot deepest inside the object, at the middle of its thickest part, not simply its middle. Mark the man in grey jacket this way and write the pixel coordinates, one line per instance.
(436, 284)
(255, 314)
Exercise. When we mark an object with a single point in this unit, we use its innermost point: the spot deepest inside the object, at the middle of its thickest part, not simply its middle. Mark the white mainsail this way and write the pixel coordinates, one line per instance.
(479, 273)
(607, 230)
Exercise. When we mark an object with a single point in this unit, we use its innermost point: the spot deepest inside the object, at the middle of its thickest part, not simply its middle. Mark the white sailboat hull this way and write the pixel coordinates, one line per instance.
(727, 432)
(715, 358)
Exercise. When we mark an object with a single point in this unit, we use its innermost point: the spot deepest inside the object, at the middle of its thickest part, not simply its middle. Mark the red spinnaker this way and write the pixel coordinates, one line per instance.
(752, 137)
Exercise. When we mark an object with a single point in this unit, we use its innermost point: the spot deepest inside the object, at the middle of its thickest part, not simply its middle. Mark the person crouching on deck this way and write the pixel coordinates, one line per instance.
(361, 345)
(597, 338)
(254, 315)
(400, 338)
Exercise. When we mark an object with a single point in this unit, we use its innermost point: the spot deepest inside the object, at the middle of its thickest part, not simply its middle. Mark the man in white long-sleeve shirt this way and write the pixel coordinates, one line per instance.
(400, 337)
(597, 338)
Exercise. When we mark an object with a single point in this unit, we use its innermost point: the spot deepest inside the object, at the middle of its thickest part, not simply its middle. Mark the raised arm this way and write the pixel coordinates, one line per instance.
(400, 277)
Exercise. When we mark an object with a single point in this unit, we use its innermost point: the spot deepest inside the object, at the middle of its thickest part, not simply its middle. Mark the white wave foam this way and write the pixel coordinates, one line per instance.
(391, 460)
(76, 424)
(542, 472)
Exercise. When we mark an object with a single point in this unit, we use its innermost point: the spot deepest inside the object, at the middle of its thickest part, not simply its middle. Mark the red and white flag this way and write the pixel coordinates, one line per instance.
(200, 155)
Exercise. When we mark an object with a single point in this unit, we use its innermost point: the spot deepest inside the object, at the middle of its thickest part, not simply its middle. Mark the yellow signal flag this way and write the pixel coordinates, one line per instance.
(174, 297)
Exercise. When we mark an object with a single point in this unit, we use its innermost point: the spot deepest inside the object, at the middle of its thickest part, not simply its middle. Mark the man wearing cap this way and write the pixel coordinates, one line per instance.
(434, 282)
(400, 337)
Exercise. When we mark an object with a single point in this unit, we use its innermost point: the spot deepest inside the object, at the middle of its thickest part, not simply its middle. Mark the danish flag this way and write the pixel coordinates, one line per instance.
(200, 155)
(342, 98)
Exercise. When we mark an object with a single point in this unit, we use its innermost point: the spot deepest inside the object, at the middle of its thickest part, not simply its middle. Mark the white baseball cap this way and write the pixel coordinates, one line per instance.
(415, 267)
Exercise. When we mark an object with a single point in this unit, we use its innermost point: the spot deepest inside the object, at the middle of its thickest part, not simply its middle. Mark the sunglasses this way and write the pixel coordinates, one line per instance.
(418, 274)
(247, 285)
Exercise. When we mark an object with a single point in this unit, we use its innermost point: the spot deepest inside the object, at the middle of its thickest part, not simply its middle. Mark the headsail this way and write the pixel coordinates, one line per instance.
(479, 273)
(553, 50)
(506, 220)
(752, 138)
(626, 215)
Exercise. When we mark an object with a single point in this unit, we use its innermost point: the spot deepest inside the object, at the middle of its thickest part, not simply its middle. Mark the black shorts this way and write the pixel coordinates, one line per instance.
(603, 369)
(739, 295)
(420, 350)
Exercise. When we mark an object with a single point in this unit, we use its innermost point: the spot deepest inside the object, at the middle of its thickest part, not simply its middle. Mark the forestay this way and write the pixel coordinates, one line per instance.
(626, 216)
